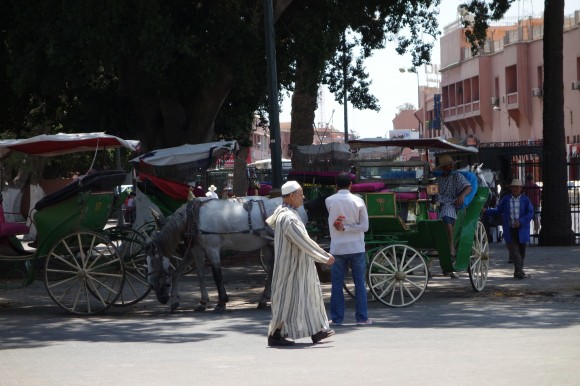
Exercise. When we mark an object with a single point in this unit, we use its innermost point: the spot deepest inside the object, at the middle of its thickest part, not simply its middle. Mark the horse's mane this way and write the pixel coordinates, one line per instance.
(171, 233)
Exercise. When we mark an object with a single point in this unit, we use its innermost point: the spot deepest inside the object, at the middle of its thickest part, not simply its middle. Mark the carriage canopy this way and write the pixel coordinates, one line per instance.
(52, 145)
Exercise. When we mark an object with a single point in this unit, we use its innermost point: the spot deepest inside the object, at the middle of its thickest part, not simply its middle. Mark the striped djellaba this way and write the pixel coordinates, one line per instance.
(297, 302)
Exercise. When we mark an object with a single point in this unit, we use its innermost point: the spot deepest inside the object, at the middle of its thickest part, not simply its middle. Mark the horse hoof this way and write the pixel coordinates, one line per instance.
(174, 306)
(219, 309)
(199, 308)
(263, 306)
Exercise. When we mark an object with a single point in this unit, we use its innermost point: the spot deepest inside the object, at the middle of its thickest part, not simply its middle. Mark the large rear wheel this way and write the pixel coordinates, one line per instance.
(397, 275)
(130, 246)
(479, 260)
(84, 274)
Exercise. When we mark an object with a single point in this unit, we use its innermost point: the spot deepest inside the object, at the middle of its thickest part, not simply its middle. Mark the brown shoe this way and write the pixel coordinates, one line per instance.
(322, 335)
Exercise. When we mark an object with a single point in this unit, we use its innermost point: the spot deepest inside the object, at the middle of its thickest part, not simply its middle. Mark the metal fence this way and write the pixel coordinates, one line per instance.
(530, 164)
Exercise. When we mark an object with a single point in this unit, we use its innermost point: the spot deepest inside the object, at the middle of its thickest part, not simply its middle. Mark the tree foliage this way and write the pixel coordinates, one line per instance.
(159, 71)
(173, 71)
(336, 39)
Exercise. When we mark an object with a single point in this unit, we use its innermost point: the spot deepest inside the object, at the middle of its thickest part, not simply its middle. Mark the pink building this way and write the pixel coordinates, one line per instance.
(496, 96)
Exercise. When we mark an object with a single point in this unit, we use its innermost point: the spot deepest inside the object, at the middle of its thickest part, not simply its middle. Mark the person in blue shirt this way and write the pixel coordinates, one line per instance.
(516, 212)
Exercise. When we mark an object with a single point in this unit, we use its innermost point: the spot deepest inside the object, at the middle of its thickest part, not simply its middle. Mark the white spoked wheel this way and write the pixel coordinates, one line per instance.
(84, 273)
(479, 260)
(130, 246)
(397, 275)
(149, 230)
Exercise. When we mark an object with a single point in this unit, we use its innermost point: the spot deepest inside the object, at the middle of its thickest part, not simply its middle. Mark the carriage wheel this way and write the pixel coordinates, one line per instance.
(397, 275)
(130, 246)
(149, 230)
(479, 260)
(84, 274)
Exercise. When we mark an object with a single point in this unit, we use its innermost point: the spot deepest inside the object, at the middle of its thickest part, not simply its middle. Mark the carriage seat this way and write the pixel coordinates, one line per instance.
(404, 194)
(11, 228)
(315, 178)
(366, 187)
(103, 180)
(383, 213)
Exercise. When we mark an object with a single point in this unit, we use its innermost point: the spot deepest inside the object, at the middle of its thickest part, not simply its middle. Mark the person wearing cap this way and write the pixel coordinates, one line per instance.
(228, 192)
(453, 188)
(348, 220)
(516, 212)
(211, 192)
(297, 304)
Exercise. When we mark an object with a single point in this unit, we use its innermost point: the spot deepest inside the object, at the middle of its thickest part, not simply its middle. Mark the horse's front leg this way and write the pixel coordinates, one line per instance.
(174, 290)
(268, 255)
(214, 259)
(199, 255)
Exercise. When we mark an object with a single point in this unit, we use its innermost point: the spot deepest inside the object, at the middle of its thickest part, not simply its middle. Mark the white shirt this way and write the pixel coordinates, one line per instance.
(356, 222)
(211, 194)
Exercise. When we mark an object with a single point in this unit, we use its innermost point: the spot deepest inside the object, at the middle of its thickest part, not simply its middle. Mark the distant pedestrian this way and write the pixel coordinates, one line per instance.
(348, 221)
(211, 192)
(532, 190)
(228, 192)
(297, 304)
(516, 211)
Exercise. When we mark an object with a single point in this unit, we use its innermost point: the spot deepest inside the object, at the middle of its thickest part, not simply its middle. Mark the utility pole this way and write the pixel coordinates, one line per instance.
(275, 147)
(344, 78)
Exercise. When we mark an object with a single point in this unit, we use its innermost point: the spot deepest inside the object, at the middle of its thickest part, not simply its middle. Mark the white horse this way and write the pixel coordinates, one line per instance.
(208, 226)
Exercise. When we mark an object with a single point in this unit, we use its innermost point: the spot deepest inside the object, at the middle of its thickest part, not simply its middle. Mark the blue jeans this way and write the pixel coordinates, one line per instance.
(357, 264)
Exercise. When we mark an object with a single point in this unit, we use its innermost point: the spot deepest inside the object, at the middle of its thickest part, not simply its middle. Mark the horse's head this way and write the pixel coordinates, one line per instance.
(159, 272)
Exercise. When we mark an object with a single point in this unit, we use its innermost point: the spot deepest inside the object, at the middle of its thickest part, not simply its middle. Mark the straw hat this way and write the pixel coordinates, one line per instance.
(516, 182)
(444, 160)
(212, 188)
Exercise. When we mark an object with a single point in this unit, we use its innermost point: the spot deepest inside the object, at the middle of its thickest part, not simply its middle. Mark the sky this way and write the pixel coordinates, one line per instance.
(393, 88)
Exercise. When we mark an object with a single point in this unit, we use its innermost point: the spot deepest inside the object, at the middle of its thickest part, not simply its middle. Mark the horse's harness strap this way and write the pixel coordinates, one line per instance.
(248, 205)
(191, 228)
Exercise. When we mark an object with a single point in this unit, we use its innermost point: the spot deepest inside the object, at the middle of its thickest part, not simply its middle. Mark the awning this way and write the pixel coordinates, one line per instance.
(51, 145)
(187, 153)
(423, 143)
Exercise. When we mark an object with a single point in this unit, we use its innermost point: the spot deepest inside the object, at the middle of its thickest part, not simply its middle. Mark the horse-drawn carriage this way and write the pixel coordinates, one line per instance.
(404, 232)
(86, 268)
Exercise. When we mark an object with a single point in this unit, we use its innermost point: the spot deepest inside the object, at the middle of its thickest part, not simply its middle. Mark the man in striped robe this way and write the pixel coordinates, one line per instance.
(297, 304)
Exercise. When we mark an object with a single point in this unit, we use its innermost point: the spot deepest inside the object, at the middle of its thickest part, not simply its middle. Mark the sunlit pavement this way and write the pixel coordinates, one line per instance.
(451, 336)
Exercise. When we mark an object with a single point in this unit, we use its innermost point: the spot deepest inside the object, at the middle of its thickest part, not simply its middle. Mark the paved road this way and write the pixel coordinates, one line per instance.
(513, 333)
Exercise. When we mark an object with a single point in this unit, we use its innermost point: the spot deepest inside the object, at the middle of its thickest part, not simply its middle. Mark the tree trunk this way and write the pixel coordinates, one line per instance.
(240, 173)
(168, 121)
(556, 221)
(304, 104)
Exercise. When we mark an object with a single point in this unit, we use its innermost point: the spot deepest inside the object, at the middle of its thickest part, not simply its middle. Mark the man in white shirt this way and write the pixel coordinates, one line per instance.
(211, 192)
(348, 220)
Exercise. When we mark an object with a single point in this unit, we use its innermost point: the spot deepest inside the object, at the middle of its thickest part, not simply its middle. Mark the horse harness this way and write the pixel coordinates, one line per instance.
(192, 213)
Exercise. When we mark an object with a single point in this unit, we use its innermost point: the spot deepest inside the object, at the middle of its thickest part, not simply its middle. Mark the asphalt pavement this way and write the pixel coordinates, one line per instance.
(514, 332)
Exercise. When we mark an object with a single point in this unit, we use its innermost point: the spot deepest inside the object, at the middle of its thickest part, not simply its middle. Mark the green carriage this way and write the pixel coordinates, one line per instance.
(404, 232)
(86, 268)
